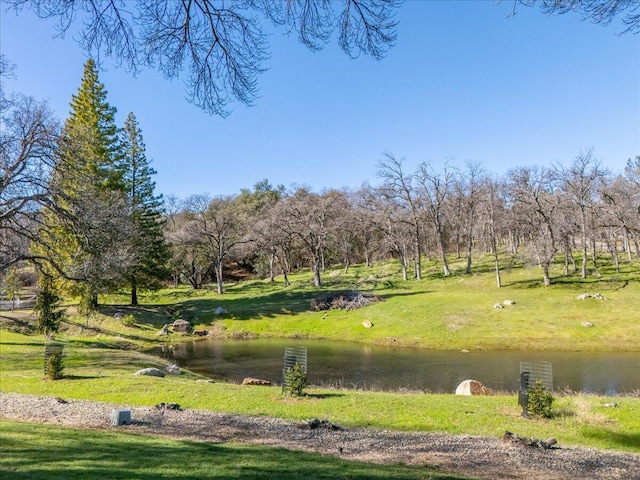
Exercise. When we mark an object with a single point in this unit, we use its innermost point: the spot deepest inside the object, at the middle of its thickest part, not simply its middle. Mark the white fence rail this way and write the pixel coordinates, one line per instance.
(19, 303)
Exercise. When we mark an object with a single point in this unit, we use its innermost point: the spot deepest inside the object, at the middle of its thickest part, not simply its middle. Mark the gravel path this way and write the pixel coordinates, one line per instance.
(476, 457)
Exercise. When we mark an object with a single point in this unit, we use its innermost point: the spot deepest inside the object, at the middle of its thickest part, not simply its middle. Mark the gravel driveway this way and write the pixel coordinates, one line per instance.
(473, 456)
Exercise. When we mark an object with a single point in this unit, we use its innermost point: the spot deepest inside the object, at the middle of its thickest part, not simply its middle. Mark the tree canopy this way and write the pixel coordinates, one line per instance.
(220, 47)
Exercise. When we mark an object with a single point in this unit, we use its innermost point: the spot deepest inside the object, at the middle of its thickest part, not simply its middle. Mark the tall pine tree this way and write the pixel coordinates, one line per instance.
(86, 232)
(149, 250)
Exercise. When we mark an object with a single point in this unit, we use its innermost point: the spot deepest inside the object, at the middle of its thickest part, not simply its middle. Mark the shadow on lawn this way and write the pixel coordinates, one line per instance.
(203, 310)
(324, 395)
(95, 329)
(630, 441)
(32, 451)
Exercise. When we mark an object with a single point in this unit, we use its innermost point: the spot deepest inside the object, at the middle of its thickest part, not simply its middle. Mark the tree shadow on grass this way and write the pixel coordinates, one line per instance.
(324, 395)
(12, 322)
(81, 377)
(203, 310)
(99, 330)
(629, 441)
(32, 451)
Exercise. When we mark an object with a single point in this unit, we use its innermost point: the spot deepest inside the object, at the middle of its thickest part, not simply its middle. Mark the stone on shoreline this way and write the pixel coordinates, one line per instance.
(255, 381)
(472, 387)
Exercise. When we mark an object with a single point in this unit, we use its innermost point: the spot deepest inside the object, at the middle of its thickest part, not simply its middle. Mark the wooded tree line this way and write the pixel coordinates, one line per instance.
(573, 212)
(77, 201)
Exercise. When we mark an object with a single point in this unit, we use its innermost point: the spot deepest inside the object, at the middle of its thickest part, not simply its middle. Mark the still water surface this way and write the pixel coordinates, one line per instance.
(355, 365)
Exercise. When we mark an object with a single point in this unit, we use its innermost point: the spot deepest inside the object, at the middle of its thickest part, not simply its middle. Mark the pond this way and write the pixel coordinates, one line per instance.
(354, 365)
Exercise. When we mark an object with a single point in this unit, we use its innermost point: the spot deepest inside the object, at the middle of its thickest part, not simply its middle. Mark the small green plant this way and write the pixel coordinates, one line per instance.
(54, 367)
(540, 401)
(295, 380)
(129, 320)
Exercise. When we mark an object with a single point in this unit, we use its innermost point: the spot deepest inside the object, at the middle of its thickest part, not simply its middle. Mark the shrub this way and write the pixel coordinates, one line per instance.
(540, 400)
(54, 367)
(129, 320)
(295, 380)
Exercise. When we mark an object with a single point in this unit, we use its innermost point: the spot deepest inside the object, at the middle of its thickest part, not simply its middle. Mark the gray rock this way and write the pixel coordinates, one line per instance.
(181, 326)
(152, 372)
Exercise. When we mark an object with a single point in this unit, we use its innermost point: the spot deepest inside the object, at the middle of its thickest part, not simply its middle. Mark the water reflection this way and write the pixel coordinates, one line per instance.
(385, 368)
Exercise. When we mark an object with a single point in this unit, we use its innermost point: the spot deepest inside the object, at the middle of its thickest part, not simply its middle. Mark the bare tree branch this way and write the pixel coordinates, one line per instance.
(218, 47)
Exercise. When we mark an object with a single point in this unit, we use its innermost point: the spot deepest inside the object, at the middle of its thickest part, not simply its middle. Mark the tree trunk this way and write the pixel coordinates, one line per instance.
(445, 265)
(545, 274)
(272, 260)
(468, 269)
(585, 256)
(567, 250)
(134, 293)
(316, 276)
(626, 242)
(616, 260)
(219, 278)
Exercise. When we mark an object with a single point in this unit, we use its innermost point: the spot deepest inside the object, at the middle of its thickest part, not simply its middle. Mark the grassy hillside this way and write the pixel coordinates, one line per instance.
(438, 312)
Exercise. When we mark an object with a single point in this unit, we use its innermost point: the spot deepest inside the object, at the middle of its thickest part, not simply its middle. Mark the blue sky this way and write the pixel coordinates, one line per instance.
(464, 82)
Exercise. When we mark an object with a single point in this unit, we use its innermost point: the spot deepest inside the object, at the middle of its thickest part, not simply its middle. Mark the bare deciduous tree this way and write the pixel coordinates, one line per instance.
(399, 187)
(598, 11)
(435, 189)
(534, 201)
(222, 46)
(580, 183)
(28, 136)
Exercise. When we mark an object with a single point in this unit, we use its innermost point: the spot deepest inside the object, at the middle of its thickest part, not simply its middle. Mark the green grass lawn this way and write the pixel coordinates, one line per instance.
(51, 452)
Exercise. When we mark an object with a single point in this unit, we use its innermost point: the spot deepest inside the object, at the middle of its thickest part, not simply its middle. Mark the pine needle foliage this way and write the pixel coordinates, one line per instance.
(47, 307)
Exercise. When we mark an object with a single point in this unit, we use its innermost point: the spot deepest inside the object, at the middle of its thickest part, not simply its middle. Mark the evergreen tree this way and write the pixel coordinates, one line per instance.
(149, 250)
(48, 307)
(85, 230)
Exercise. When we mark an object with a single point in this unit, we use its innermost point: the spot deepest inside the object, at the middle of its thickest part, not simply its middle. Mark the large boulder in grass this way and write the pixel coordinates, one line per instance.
(151, 372)
(472, 387)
